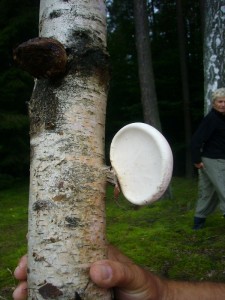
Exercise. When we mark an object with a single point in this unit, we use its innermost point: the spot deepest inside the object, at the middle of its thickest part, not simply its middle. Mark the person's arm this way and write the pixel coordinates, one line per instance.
(194, 291)
(135, 283)
(131, 282)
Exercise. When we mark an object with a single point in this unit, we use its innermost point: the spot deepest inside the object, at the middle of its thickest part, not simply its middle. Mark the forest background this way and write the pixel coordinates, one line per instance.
(19, 22)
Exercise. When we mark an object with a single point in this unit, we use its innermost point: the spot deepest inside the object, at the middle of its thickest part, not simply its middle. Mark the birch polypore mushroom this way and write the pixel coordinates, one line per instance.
(41, 57)
(142, 160)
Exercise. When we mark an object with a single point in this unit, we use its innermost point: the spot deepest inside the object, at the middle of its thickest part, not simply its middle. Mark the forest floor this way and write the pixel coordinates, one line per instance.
(158, 236)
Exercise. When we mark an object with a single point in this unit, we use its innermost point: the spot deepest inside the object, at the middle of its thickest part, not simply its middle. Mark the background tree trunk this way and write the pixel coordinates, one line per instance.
(185, 88)
(67, 177)
(145, 69)
(214, 50)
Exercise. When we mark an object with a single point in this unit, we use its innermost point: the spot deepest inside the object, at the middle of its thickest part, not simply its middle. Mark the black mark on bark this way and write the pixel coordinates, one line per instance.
(60, 198)
(72, 221)
(53, 240)
(91, 61)
(43, 108)
(49, 291)
(38, 257)
(77, 296)
(49, 126)
(42, 205)
(82, 39)
(55, 14)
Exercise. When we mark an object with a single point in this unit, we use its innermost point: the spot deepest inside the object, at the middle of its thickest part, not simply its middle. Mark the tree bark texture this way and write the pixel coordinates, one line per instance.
(214, 51)
(67, 172)
(145, 68)
(185, 87)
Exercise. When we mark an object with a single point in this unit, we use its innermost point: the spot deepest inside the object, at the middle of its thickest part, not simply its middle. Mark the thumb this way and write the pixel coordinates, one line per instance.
(109, 274)
(131, 281)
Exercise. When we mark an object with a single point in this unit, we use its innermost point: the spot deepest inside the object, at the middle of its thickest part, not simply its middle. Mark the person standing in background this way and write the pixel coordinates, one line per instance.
(208, 155)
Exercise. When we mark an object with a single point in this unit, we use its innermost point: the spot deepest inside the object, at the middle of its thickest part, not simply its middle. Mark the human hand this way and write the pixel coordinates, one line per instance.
(130, 282)
(199, 165)
(20, 293)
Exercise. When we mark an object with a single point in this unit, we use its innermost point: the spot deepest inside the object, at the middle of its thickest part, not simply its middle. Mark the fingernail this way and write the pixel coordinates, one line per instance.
(106, 272)
(17, 268)
(21, 264)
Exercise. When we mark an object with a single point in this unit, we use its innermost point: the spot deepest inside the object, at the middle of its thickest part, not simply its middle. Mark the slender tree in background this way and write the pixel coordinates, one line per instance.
(185, 87)
(67, 172)
(145, 68)
(214, 50)
(124, 105)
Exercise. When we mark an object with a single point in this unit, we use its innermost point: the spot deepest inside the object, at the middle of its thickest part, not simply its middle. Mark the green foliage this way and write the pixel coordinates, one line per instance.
(124, 101)
(15, 88)
(124, 105)
(18, 22)
(158, 236)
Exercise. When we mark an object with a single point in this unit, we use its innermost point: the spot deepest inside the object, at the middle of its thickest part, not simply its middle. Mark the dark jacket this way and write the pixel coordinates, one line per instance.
(209, 139)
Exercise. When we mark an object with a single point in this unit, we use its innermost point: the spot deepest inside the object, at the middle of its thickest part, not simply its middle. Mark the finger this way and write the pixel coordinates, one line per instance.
(109, 274)
(20, 293)
(129, 279)
(21, 270)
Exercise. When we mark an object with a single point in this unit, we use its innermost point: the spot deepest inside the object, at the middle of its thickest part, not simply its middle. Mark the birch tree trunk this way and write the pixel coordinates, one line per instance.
(214, 50)
(67, 172)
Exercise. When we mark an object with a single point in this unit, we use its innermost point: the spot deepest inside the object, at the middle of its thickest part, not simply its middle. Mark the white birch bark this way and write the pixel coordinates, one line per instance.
(214, 50)
(67, 172)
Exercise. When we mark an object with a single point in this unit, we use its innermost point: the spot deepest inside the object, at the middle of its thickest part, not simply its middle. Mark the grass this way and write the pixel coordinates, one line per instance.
(158, 236)
(13, 228)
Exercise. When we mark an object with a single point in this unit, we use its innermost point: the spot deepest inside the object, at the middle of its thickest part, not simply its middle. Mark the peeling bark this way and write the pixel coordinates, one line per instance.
(67, 172)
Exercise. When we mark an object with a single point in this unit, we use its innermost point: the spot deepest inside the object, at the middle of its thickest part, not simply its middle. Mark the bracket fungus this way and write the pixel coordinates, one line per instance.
(142, 160)
(41, 57)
